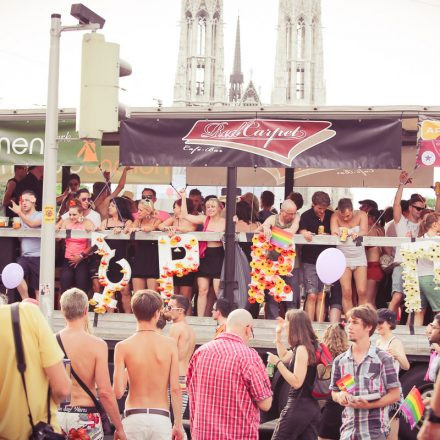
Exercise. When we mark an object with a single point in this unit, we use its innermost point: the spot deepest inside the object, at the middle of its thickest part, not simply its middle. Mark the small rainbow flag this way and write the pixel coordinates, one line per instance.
(413, 407)
(346, 383)
(280, 237)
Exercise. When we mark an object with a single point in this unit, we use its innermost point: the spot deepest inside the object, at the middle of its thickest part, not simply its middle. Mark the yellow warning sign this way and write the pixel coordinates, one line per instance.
(49, 214)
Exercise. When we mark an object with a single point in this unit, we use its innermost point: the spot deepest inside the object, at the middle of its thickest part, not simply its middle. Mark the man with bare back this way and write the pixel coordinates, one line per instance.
(185, 338)
(88, 355)
(148, 361)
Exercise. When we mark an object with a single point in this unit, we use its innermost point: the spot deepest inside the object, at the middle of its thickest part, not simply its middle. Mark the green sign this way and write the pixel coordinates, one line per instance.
(22, 143)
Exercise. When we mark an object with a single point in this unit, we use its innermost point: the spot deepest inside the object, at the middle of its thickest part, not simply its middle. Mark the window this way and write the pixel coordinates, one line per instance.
(300, 38)
(300, 82)
(201, 35)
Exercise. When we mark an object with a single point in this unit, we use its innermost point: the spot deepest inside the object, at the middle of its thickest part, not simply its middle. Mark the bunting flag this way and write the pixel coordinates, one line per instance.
(413, 407)
(346, 383)
(281, 238)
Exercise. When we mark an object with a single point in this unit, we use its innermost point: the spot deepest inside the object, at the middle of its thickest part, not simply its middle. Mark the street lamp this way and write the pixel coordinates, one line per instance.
(88, 20)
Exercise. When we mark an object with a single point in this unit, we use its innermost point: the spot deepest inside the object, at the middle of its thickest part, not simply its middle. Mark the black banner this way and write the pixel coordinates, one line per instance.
(351, 144)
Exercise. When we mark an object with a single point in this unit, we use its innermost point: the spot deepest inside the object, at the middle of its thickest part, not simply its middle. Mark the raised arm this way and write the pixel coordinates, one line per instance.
(120, 378)
(105, 391)
(196, 219)
(31, 223)
(397, 209)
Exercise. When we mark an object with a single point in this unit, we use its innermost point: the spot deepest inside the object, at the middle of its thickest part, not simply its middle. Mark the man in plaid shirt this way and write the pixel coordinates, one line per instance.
(376, 381)
(228, 384)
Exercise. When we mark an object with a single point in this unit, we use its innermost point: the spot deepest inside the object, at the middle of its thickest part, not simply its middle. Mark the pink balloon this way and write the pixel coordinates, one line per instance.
(12, 275)
(330, 265)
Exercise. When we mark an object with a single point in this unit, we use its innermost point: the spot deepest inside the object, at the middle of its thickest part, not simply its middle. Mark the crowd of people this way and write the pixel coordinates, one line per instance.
(220, 388)
(368, 270)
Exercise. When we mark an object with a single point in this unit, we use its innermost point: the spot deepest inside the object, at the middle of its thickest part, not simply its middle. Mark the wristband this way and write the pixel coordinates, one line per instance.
(433, 418)
(276, 365)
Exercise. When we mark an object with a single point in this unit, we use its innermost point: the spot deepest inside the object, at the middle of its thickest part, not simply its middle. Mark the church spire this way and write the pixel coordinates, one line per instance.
(236, 78)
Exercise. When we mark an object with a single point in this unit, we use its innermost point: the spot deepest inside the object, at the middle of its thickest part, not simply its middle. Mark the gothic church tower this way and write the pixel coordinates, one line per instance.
(299, 69)
(200, 66)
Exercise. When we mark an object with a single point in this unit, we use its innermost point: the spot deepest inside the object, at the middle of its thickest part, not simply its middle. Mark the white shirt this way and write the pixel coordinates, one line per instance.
(405, 228)
(93, 216)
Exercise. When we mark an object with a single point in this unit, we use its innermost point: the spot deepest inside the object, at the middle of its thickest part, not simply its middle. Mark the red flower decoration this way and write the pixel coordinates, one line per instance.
(252, 300)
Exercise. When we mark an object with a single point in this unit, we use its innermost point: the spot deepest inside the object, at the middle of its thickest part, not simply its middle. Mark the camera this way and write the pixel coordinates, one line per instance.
(43, 431)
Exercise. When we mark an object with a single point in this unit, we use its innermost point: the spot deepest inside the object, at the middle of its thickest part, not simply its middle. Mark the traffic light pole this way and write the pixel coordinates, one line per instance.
(47, 257)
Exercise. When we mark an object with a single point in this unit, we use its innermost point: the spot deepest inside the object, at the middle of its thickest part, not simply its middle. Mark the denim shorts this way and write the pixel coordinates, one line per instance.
(312, 283)
(397, 280)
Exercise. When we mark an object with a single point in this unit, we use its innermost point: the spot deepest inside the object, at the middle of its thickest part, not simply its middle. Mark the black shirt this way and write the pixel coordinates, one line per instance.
(30, 182)
(311, 222)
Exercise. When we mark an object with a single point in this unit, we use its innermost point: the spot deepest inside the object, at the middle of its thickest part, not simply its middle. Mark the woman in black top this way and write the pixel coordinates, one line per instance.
(119, 218)
(300, 417)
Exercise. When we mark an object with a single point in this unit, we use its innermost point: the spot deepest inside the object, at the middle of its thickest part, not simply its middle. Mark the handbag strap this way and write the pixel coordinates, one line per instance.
(21, 363)
(96, 402)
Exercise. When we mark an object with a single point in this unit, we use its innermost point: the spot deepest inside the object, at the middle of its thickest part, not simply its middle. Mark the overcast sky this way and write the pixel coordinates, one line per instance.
(377, 52)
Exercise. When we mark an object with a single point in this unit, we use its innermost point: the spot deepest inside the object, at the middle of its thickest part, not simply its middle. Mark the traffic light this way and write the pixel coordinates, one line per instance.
(99, 96)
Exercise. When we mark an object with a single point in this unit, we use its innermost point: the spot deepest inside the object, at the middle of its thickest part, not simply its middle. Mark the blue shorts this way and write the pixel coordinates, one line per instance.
(397, 280)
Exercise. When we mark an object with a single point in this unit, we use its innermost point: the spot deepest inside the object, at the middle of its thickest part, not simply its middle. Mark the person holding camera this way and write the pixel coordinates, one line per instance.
(44, 368)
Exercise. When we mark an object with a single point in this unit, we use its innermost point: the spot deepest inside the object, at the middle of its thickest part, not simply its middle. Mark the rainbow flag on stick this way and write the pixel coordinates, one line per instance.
(280, 237)
(346, 383)
(412, 407)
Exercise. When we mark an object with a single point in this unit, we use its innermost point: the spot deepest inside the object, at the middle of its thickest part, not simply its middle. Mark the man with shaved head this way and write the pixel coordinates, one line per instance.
(228, 384)
(288, 220)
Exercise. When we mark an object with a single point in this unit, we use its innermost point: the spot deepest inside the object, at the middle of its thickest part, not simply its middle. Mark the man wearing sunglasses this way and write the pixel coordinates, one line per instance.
(405, 227)
(228, 384)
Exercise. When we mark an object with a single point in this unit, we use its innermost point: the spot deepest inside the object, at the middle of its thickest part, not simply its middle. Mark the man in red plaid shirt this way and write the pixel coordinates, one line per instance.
(228, 384)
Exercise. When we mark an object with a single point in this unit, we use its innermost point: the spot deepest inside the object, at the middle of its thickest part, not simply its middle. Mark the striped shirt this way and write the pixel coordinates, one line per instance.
(375, 375)
(225, 379)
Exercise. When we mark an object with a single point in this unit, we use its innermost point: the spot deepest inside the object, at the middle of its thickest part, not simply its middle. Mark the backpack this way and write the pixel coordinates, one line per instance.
(324, 361)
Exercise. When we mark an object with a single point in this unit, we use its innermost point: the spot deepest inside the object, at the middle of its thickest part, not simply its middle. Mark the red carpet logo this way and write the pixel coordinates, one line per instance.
(279, 140)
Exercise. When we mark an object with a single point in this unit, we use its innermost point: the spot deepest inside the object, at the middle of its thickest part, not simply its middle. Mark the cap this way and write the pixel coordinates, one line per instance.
(387, 315)
(369, 202)
(128, 195)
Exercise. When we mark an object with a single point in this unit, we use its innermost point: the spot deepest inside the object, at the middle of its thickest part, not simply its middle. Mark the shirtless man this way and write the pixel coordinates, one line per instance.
(148, 361)
(89, 359)
(185, 338)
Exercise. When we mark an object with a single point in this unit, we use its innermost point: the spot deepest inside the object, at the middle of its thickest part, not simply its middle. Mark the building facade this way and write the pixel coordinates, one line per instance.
(200, 67)
(299, 66)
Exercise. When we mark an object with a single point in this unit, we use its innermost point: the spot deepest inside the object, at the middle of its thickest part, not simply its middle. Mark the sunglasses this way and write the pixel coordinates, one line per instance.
(169, 308)
(85, 199)
(418, 208)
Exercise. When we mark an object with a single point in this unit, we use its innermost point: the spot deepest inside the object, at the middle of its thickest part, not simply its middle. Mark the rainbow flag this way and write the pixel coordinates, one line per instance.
(346, 383)
(412, 407)
(281, 238)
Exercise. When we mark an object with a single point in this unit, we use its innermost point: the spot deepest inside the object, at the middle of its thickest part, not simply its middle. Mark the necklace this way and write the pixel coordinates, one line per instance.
(146, 330)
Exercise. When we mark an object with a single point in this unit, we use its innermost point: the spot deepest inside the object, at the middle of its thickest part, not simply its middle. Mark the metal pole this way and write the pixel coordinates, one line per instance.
(289, 178)
(47, 259)
(230, 284)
